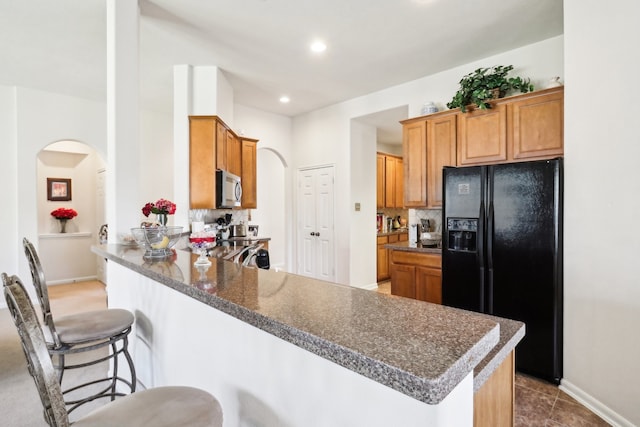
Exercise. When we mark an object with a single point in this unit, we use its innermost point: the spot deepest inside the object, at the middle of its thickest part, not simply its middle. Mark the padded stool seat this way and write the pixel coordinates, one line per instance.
(158, 407)
(92, 325)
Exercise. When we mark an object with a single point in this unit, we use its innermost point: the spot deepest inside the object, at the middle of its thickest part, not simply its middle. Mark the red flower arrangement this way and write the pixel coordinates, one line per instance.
(63, 213)
(162, 206)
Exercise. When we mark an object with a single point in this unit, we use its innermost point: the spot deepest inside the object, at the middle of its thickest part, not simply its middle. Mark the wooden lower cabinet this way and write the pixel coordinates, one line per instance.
(416, 275)
(429, 284)
(383, 261)
(494, 403)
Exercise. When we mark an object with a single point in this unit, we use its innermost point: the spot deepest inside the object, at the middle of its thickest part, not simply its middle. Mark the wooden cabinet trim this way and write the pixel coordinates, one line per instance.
(494, 403)
(416, 258)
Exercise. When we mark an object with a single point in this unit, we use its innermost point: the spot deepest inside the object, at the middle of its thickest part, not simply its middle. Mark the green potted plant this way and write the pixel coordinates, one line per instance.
(485, 84)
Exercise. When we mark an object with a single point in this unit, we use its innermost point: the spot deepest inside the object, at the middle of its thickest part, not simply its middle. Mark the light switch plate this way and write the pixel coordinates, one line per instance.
(358, 207)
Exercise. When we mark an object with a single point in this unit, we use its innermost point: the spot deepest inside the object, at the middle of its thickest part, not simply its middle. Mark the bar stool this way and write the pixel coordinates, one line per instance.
(82, 333)
(158, 407)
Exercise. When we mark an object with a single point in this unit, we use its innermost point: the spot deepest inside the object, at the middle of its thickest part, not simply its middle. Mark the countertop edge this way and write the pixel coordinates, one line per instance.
(412, 247)
(511, 333)
(430, 391)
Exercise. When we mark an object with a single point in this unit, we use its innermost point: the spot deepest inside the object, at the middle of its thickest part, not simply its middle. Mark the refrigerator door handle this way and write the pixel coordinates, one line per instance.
(490, 226)
(480, 254)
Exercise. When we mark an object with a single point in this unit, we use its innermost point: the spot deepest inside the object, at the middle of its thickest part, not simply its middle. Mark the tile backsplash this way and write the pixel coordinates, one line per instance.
(433, 215)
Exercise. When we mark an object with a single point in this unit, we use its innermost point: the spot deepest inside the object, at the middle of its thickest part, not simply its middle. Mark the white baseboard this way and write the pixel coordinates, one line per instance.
(595, 405)
(71, 280)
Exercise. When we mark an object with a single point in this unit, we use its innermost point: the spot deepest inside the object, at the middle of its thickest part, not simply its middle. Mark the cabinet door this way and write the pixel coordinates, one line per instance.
(414, 148)
(202, 163)
(389, 182)
(399, 183)
(403, 280)
(382, 263)
(248, 177)
(380, 181)
(429, 284)
(538, 126)
(482, 136)
(441, 152)
(221, 146)
(234, 154)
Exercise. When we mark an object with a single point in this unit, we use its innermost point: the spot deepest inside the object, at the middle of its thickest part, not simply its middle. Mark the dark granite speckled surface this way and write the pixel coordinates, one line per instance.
(413, 247)
(422, 350)
(511, 331)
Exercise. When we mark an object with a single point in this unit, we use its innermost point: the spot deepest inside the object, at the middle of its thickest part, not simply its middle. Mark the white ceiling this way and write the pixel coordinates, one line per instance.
(263, 45)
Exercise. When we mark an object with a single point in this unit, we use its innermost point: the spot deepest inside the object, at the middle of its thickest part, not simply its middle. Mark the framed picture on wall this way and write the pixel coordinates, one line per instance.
(59, 189)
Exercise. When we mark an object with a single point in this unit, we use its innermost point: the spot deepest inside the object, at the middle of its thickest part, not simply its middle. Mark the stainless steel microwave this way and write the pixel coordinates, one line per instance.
(228, 190)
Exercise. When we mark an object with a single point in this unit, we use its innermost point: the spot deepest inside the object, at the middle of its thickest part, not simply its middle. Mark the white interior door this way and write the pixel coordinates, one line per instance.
(316, 253)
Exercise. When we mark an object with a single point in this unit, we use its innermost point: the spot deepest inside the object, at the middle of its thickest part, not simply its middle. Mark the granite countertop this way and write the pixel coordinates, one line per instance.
(420, 349)
(396, 231)
(413, 247)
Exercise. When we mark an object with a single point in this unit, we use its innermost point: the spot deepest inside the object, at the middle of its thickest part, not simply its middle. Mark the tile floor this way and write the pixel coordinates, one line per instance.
(541, 404)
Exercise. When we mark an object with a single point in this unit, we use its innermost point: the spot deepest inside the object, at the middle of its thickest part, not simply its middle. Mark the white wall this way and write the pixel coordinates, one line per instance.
(602, 202)
(9, 212)
(324, 137)
(273, 178)
(30, 120)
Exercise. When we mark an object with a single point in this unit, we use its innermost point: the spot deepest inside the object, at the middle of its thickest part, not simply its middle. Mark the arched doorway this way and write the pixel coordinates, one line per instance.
(67, 257)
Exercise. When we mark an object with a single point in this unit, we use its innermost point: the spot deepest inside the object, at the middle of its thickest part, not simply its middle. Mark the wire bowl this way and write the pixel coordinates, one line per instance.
(157, 241)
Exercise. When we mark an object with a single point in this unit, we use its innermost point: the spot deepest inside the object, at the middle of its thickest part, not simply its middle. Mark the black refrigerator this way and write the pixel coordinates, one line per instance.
(502, 252)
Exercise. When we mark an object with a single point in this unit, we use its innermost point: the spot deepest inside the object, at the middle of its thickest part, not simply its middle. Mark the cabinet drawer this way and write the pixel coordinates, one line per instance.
(415, 258)
(393, 238)
(382, 240)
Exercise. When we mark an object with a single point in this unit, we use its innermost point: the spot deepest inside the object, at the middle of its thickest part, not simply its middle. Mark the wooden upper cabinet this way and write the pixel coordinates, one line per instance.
(248, 175)
(393, 176)
(537, 124)
(234, 154)
(523, 127)
(213, 145)
(202, 163)
(380, 188)
(389, 182)
(441, 152)
(221, 144)
(482, 136)
(399, 183)
(414, 149)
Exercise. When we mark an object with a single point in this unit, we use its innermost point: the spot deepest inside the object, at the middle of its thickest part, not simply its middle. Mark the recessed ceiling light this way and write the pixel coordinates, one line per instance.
(284, 99)
(318, 46)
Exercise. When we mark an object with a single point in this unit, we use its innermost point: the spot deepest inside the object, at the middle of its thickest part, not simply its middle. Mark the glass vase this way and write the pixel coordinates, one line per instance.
(63, 225)
(162, 219)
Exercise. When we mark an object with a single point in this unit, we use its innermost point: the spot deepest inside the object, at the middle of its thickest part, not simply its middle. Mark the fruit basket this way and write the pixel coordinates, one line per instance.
(157, 241)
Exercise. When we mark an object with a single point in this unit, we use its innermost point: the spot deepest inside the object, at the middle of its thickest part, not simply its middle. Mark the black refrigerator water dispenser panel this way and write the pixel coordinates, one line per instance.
(463, 234)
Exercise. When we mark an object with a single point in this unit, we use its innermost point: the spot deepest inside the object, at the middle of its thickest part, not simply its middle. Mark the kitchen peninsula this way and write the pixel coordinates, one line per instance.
(281, 349)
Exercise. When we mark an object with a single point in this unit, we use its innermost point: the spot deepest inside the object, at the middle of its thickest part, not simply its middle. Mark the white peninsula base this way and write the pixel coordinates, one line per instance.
(259, 379)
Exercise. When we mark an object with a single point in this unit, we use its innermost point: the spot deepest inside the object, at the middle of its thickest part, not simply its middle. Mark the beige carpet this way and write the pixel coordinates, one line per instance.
(19, 401)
